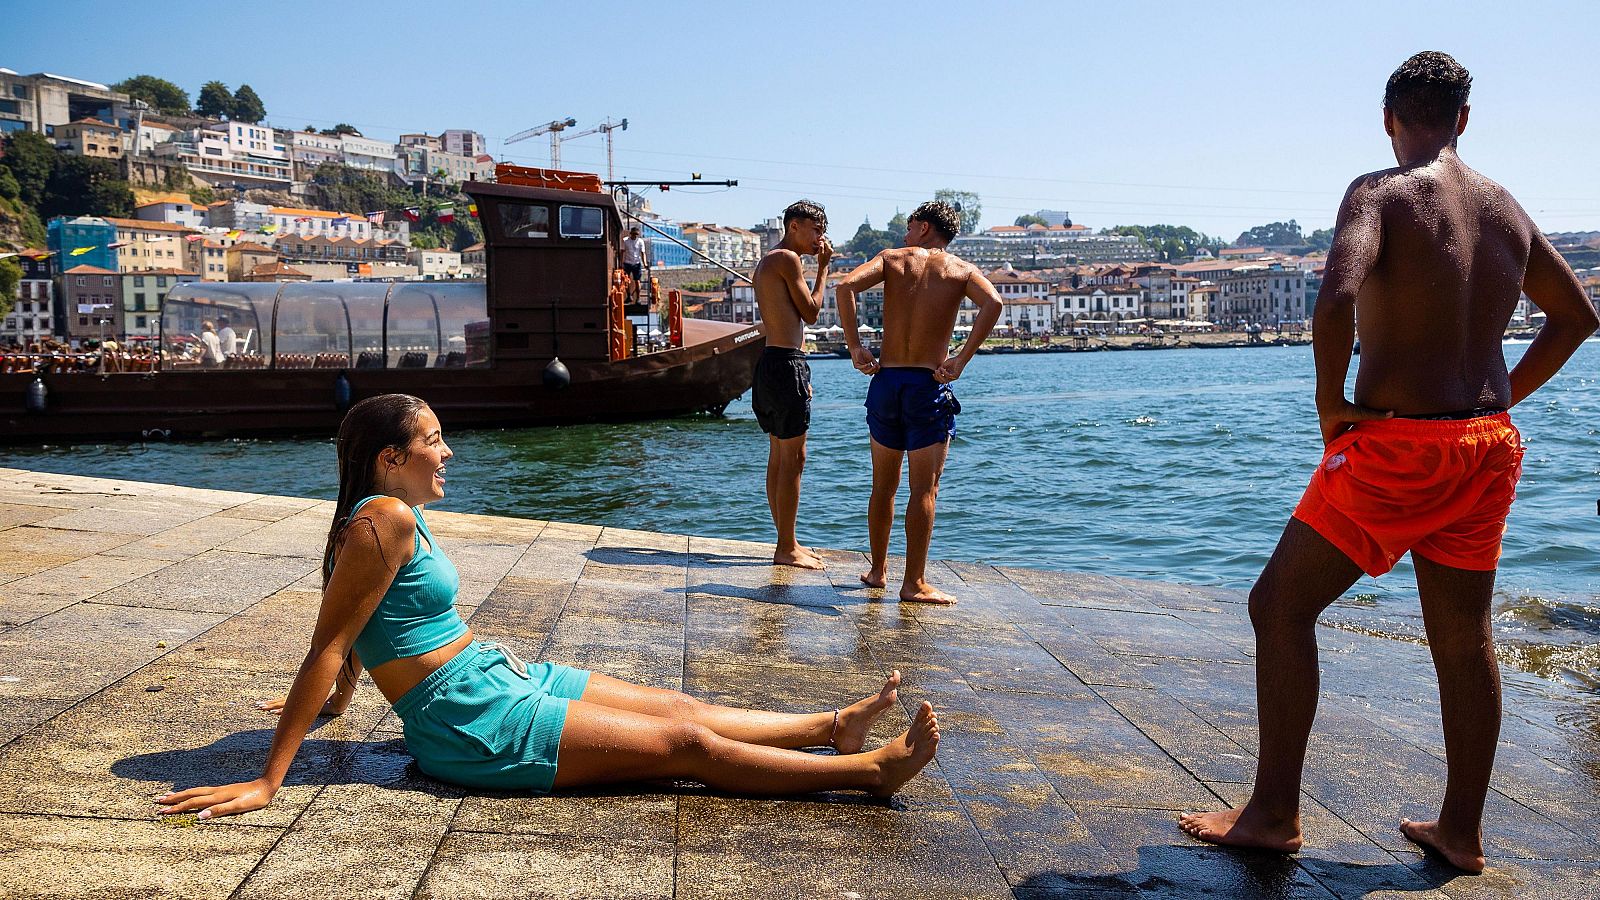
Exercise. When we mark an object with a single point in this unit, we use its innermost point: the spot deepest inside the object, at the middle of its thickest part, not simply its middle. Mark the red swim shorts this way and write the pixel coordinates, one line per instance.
(1440, 489)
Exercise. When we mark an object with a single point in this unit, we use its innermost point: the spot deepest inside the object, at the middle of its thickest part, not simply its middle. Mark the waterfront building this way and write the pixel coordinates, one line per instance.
(1095, 305)
(1156, 279)
(1180, 286)
(142, 293)
(42, 102)
(174, 209)
(1241, 252)
(92, 138)
(423, 161)
(1027, 306)
(144, 244)
(869, 303)
(322, 249)
(231, 155)
(276, 271)
(435, 265)
(310, 149)
(1031, 243)
(245, 257)
(1263, 294)
(1204, 303)
(92, 298)
(737, 305)
(277, 222)
(464, 142)
(368, 154)
(474, 257)
(664, 254)
(92, 234)
(34, 314)
(726, 244)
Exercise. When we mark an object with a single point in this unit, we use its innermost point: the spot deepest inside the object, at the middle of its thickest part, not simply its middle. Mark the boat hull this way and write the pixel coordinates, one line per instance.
(714, 367)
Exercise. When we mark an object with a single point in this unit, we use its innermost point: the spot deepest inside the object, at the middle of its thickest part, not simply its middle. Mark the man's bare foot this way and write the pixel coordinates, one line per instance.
(799, 557)
(902, 758)
(920, 591)
(875, 577)
(857, 718)
(1243, 827)
(1465, 854)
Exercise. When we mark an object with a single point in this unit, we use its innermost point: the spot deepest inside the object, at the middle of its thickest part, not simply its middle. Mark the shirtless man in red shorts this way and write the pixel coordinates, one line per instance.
(1433, 256)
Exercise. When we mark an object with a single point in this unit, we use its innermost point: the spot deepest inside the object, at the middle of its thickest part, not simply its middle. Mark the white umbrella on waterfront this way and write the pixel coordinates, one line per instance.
(864, 328)
(836, 329)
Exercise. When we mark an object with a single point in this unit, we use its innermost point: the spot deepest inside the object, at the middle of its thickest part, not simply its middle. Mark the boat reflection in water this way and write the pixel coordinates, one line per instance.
(482, 354)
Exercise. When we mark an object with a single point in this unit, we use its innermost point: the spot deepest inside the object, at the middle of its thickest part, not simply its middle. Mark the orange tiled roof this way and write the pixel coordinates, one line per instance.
(142, 225)
(278, 268)
(166, 198)
(248, 247)
(88, 270)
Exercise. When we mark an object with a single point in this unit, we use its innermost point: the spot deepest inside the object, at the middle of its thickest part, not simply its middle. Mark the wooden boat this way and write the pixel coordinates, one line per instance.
(483, 354)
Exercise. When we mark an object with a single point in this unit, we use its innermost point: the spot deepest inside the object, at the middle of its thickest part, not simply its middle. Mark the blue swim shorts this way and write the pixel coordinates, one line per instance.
(485, 719)
(908, 410)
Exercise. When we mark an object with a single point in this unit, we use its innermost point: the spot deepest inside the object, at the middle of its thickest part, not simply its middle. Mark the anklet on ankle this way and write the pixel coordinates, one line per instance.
(834, 735)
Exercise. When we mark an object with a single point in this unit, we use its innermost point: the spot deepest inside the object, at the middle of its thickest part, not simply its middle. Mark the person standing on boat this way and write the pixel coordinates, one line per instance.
(210, 346)
(633, 257)
(227, 337)
(911, 410)
(781, 391)
(1433, 256)
(474, 713)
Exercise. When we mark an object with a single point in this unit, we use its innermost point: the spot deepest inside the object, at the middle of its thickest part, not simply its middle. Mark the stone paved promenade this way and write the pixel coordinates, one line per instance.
(140, 623)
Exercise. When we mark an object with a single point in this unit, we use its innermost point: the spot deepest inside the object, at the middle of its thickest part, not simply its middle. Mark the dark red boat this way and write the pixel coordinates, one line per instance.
(480, 353)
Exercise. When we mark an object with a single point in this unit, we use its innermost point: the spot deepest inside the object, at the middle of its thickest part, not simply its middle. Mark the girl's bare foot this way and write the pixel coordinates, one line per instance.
(920, 591)
(1243, 827)
(875, 577)
(857, 718)
(1465, 854)
(799, 557)
(902, 758)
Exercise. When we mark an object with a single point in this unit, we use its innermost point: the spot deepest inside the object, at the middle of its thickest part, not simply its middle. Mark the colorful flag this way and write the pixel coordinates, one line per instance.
(341, 220)
(375, 218)
(413, 213)
(233, 235)
(82, 250)
(269, 229)
(472, 210)
(9, 255)
(191, 238)
(446, 213)
(115, 244)
(303, 219)
(157, 240)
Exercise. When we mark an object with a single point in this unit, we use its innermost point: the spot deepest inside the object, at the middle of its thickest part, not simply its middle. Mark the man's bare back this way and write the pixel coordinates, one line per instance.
(1452, 250)
(922, 293)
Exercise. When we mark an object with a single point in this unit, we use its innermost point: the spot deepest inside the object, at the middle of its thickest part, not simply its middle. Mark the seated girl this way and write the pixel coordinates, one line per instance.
(477, 715)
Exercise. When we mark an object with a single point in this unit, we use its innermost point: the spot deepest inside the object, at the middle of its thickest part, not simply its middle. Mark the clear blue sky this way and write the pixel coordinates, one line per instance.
(1218, 117)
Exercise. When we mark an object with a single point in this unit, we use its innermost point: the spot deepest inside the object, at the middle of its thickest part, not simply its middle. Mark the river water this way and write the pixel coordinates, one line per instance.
(1180, 465)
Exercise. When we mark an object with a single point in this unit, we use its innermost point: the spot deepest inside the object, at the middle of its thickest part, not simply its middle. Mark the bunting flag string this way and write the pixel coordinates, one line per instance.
(375, 218)
(191, 238)
(412, 213)
(233, 235)
(82, 250)
(446, 213)
(472, 210)
(269, 229)
(115, 244)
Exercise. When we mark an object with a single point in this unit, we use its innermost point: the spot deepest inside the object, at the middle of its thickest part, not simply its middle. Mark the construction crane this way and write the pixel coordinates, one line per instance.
(553, 129)
(605, 128)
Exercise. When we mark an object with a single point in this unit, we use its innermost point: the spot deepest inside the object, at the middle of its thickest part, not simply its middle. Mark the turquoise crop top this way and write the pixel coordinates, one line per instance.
(418, 612)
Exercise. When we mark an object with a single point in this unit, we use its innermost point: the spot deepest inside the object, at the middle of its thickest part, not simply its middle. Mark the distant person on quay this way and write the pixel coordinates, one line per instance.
(781, 391)
(477, 715)
(911, 410)
(1430, 258)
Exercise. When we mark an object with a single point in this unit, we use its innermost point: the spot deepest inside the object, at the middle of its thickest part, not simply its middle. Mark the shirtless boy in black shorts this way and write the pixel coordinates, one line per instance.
(782, 390)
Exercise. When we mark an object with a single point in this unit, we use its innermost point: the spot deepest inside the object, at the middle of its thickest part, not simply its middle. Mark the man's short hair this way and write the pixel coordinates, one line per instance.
(805, 209)
(1428, 90)
(942, 216)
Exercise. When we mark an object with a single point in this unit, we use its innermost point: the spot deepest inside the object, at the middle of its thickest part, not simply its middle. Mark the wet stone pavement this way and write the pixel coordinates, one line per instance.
(140, 623)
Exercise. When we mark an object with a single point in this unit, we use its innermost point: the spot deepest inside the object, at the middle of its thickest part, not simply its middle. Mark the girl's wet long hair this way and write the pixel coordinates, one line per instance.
(376, 424)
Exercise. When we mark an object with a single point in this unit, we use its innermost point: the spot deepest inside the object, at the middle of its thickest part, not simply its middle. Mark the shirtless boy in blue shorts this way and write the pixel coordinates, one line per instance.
(910, 407)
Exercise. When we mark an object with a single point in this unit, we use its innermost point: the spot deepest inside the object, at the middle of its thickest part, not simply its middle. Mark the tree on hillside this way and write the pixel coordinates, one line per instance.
(897, 228)
(246, 106)
(339, 129)
(10, 277)
(1030, 219)
(30, 158)
(1170, 242)
(85, 186)
(1320, 241)
(966, 203)
(215, 100)
(1274, 234)
(162, 95)
(869, 241)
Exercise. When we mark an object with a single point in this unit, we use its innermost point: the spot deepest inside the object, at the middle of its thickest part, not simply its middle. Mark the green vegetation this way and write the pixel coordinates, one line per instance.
(1274, 234)
(1030, 219)
(215, 100)
(1321, 240)
(50, 183)
(340, 128)
(710, 284)
(10, 277)
(247, 106)
(345, 189)
(869, 241)
(1170, 242)
(162, 95)
(965, 202)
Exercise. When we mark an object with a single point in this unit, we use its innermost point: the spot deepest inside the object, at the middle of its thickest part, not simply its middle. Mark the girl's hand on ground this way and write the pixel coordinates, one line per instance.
(275, 706)
(212, 802)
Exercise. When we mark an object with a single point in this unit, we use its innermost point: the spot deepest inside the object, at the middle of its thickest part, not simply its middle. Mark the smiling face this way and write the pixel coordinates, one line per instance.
(416, 474)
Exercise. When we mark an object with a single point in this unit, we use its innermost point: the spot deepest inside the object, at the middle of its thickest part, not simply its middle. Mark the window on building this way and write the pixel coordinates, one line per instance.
(138, 301)
(138, 281)
(80, 281)
(524, 220)
(105, 281)
(587, 222)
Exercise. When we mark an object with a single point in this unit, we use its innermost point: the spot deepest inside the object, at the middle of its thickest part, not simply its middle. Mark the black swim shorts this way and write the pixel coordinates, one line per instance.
(782, 392)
